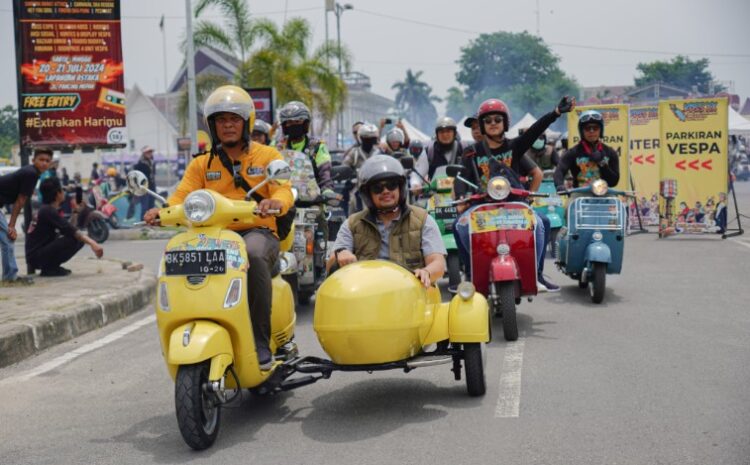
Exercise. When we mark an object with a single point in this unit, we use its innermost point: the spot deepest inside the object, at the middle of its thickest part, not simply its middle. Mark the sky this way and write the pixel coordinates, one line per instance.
(387, 37)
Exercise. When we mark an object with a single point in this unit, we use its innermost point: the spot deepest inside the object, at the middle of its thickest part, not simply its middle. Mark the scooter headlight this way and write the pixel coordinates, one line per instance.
(466, 290)
(550, 208)
(503, 249)
(498, 188)
(599, 187)
(597, 236)
(288, 263)
(163, 297)
(199, 206)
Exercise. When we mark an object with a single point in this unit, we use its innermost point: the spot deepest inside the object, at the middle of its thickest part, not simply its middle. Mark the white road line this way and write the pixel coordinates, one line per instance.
(741, 242)
(509, 395)
(73, 354)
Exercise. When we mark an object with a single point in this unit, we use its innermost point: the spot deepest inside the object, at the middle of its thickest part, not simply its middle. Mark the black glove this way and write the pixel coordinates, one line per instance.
(596, 157)
(565, 105)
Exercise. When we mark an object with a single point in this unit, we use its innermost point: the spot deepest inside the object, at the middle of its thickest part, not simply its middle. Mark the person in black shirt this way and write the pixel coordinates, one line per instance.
(16, 188)
(52, 240)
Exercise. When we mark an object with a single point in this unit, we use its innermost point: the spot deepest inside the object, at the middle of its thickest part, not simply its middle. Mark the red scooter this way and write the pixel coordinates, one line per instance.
(503, 252)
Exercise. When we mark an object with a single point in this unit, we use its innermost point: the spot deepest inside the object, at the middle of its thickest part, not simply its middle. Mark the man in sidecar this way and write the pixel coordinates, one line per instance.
(389, 228)
(232, 167)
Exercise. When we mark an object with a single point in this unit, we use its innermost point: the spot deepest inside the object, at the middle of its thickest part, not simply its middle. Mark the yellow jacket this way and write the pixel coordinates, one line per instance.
(207, 172)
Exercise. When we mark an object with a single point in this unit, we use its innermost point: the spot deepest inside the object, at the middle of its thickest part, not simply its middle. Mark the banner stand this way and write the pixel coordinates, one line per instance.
(738, 231)
(641, 229)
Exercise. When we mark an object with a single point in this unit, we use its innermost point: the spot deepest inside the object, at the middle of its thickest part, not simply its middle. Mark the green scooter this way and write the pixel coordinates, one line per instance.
(552, 206)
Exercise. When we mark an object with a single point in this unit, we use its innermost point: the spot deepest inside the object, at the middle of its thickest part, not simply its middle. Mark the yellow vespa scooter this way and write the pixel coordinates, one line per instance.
(202, 306)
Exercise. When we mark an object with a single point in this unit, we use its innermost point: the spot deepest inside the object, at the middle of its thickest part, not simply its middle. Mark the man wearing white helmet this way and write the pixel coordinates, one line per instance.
(446, 150)
(389, 228)
(368, 146)
(232, 167)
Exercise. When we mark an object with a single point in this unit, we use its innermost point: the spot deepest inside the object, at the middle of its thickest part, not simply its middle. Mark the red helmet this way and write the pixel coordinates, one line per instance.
(490, 106)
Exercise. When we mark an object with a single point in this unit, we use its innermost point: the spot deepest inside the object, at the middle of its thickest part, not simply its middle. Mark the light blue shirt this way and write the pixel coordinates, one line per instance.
(432, 241)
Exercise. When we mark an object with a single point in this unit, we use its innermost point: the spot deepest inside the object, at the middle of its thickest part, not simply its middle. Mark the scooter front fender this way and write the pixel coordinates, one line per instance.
(598, 252)
(504, 268)
(555, 220)
(469, 320)
(197, 341)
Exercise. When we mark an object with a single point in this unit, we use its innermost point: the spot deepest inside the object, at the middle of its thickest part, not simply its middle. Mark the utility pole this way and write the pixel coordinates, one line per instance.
(192, 104)
(339, 11)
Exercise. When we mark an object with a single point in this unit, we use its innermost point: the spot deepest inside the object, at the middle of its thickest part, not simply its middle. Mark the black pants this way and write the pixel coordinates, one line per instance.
(54, 254)
(262, 253)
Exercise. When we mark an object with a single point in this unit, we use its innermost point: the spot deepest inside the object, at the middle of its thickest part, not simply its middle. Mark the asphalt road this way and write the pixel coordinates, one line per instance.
(658, 374)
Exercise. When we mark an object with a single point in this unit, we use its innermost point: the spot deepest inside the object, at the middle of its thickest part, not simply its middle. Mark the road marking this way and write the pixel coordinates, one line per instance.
(73, 354)
(741, 242)
(509, 397)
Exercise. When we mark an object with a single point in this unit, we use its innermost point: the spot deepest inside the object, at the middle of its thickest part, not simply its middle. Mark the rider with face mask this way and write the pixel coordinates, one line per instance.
(368, 146)
(395, 143)
(541, 153)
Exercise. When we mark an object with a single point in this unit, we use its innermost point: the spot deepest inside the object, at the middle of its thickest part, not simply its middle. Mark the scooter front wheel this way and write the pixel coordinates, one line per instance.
(198, 411)
(598, 282)
(506, 291)
(454, 269)
(474, 367)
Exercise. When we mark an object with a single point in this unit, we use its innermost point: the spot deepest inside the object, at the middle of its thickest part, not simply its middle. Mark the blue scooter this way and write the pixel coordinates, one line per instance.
(592, 245)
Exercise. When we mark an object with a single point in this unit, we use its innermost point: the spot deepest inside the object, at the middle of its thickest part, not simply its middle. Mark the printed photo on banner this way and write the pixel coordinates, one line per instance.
(616, 134)
(644, 164)
(693, 170)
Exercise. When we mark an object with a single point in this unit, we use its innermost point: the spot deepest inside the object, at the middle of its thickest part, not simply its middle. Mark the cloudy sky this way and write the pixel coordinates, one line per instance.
(599, 43)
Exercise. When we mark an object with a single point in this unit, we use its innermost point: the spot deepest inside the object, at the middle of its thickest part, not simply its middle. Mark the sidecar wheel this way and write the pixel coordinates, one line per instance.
(474, 367)
(508, 310)
(598, 282)
(454, 269)
(98, 230)
(198, 416)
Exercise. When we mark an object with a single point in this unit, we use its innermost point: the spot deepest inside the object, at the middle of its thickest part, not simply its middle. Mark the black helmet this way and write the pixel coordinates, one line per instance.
(377, 168)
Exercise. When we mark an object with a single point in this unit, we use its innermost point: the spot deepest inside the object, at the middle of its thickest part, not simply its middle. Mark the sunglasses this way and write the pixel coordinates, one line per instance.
(391, 185)
(591, 128)
(496, 119)
(590, 117)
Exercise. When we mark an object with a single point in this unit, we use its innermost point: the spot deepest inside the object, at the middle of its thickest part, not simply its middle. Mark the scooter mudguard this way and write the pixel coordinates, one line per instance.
(469, 320)
(598, 252)
(197, 341)
(504, 268)
(555, 220)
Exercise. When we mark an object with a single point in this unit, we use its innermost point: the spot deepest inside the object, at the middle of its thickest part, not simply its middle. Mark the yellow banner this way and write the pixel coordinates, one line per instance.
(501, 218)
(693, 173)
(616, 134)
(644, 163)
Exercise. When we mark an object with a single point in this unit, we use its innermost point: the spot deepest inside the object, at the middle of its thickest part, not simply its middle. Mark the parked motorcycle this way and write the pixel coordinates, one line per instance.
(369, 316)
(503, 250)
(593, 244)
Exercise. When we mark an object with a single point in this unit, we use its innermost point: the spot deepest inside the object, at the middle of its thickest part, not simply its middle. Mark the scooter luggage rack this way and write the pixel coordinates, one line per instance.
(598, 213)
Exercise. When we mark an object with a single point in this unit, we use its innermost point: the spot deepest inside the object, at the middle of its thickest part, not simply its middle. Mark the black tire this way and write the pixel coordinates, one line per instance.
(98, 230)
(454, 269)
(197, 418)
(598, 282)
(508, 310)
(304, 297)
(553, 242)
(474, 368)
(293, 280)
(113, 222)
(582, 284)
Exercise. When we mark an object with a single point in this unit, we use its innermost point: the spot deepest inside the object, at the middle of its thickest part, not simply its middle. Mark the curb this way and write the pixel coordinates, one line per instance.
(140, 234)
(20, 341)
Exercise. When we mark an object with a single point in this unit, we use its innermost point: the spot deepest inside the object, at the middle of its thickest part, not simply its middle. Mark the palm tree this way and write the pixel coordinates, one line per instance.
(285, 62)
(414, 100)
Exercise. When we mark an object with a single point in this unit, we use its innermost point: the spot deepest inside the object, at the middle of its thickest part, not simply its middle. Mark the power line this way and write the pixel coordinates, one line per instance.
(557, 44)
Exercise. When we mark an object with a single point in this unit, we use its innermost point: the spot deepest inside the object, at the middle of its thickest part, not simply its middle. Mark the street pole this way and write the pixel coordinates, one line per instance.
(340, 122)
(192, 104)
(166, 100)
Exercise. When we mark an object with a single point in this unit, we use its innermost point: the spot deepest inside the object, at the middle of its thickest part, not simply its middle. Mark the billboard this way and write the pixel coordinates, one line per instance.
(644, 162)
(263, 100)
(693, 171)
(71, 89)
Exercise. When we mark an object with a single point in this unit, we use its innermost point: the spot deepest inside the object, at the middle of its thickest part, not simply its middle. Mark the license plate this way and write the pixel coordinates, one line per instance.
(185, 262)
(446, 213)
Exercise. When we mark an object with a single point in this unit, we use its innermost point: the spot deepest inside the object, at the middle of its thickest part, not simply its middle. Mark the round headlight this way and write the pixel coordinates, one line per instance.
(498, 188)
(599, 187)
(466, 290)
(199, 206)
(550, 208)
(597, 236)
(503, 249)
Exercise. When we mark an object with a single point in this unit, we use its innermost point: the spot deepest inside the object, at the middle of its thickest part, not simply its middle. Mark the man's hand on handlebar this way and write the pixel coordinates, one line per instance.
(152, 217)
(267, 207)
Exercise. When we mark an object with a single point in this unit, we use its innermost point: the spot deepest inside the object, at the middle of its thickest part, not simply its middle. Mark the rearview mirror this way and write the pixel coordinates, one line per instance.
(279, 171)
(454, 170)
(137, 183)
(407, 162)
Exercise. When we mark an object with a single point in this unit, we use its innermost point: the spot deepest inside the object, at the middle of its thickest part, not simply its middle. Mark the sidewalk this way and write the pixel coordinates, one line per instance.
(54, 310)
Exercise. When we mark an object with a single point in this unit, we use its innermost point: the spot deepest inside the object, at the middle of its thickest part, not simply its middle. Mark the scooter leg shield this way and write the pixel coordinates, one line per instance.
(469, 320)
(198, 341)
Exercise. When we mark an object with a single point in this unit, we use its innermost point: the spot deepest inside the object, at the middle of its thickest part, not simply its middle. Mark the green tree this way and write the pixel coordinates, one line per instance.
(516, 67)
(414, 100)
(680, 72)
(286, 61)
(8, 130)
(456, 104)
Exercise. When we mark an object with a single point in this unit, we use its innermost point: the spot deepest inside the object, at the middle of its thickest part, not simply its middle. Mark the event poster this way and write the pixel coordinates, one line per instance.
(693, 175)
(70, 73)
(616, 134)
(644, 163)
